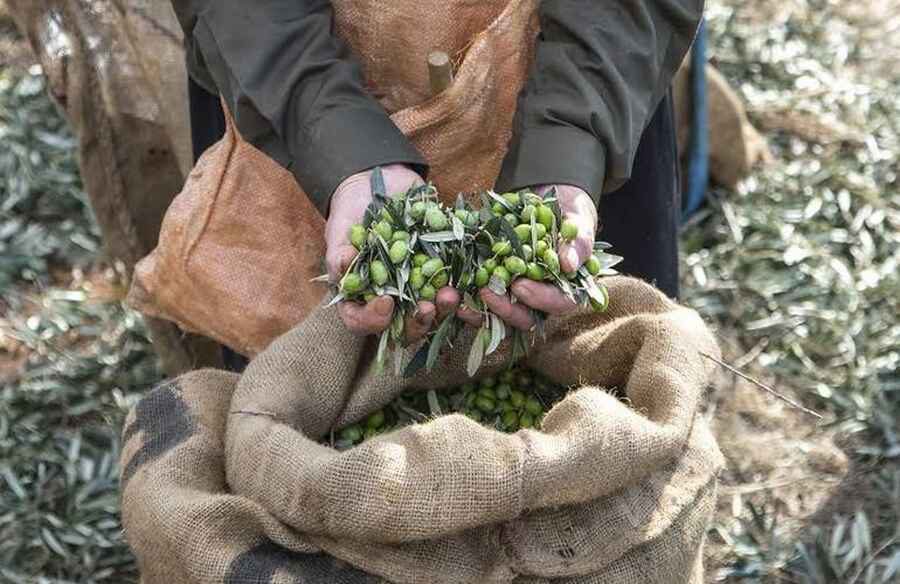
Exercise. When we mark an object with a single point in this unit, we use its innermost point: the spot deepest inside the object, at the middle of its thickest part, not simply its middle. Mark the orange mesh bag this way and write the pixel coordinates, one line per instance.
(241, 242)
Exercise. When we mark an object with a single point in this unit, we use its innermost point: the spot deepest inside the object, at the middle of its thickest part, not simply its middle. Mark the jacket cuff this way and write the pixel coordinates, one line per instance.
(554, 155)
(344, 143)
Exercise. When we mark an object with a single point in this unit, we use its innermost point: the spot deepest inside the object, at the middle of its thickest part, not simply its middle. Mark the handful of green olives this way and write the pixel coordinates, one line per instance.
(514, 399)
(411, 245)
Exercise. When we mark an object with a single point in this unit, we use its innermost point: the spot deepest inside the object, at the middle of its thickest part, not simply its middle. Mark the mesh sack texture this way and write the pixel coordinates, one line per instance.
(225, 478)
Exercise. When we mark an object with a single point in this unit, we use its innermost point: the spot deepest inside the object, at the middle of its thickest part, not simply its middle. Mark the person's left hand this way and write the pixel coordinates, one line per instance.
(576, 206)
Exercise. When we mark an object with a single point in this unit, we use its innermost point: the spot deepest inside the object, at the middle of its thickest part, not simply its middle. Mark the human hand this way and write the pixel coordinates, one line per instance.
(576, 207)
(348, 207)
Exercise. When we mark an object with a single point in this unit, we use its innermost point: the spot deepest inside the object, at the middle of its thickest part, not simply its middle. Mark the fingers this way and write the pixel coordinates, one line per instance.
(469, 316)
(516, 315)
(367, 319)
(447, 300)
(337, 260)
(578, 208)
(572, 255)
(420, 323)
(542, 297)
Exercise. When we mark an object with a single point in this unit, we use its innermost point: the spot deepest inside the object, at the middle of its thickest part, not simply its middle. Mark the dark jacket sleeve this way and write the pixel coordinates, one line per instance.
(293, 88)
(600, 70)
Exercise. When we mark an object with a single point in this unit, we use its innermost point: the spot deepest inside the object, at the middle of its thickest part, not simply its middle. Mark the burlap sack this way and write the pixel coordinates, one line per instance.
(618, 486)
(241, 241)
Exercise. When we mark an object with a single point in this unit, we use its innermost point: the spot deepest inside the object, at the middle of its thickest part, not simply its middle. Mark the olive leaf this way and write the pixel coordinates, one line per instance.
(382, 349)
(379, 190)
(476, 353)
(498, 333)
(497, 286)
(459, 230)
(437, 342)
(439, 236)
(498, 199)
(433, 405)
(337, 298)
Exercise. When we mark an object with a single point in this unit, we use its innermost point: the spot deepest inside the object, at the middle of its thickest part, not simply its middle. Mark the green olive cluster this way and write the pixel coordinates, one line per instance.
(512, 400)
(391, 253)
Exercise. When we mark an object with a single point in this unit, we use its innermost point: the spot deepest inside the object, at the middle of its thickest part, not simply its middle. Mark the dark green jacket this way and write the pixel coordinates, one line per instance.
(601, 67)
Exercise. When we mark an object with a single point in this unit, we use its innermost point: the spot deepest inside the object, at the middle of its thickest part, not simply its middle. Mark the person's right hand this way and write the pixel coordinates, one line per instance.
(348, 207)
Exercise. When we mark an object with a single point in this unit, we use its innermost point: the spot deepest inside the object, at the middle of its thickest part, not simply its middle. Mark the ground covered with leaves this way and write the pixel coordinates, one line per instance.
(797, 270)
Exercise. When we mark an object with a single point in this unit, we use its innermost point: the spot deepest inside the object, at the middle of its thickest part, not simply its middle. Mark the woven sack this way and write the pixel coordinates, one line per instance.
(240, 243)
(226, 479)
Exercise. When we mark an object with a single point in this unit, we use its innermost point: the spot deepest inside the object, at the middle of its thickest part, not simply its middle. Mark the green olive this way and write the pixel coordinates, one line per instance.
(470, 399)
(540, 231)
(419, 259)
(488, 392)
(436, 220)
(511, 421)
(569, 230)
(545, 216)
(351, 284)
(488, 382)
(513, 199)
(504, 275)
(384, 229)
(352, 433)
(498, 209)
(427, 292)
(535, 272)
(523, 232)
(552, 260)
(541, 247)
(400, 236)
(508, 376)
(517, 398)
(503, 390)
(490, 265)
(398, 252)
(601, 306)
(440, 280)
(482, 277)
(484, 404)
(515, 266)
(502, 248)
(462, 215)
(417, 210)
(533, 406)
(526, 420)
(432, 266)
(376, 420)
(467, 387)
(379, 273)
(527, 214)
(511, 218)
(593, 265)
(416, 279)
(472, 220)
(386, 215)
(475, 415)
(527, 252)
(369, 297)
(358, 236)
